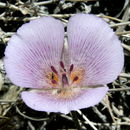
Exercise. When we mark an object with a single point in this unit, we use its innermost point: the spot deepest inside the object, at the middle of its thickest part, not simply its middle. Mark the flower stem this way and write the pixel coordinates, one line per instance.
(75, 119)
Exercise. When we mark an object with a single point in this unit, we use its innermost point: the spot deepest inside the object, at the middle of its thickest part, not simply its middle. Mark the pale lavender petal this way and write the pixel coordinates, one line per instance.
(36, 46)
(93, 45)
(43, 102)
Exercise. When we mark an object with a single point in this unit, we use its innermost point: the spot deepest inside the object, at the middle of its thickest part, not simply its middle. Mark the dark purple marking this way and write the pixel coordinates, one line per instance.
(52, 76)
(71, 68)
(54, 70)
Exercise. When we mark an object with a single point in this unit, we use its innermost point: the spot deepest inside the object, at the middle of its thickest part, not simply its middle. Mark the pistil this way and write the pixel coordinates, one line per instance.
(64, 80)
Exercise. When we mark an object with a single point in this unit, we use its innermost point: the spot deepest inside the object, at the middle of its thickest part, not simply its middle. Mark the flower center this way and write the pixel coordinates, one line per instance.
(65, 79)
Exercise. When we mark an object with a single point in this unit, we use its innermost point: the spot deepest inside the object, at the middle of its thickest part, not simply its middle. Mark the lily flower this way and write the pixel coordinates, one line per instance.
(64, 73)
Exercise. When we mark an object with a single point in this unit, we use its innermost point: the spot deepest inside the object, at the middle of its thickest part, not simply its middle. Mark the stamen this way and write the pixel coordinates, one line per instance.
(71, 68)
(62, 64)
(77, 75)
(54, 70)
(75, 78)
(53, 81)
